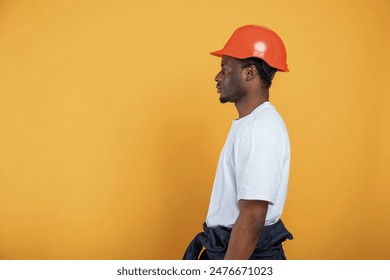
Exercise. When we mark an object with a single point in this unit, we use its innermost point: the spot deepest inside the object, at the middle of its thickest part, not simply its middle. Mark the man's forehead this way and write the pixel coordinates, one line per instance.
(228, 60)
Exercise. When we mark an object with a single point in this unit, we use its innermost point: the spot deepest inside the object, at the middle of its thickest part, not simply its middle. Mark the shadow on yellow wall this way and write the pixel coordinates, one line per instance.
(111, 127)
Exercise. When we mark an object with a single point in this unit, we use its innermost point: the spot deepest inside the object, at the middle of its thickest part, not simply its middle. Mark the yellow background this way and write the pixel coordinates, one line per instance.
(111, 126)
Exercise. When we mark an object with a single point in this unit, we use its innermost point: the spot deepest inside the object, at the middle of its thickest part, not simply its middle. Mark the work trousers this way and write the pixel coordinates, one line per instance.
(215, 241)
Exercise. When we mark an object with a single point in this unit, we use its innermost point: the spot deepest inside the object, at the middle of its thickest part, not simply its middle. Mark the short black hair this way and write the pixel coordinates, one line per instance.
(266, 72)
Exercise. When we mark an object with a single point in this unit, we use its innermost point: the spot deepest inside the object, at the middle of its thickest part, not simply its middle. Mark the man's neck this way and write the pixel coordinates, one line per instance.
(246, 105)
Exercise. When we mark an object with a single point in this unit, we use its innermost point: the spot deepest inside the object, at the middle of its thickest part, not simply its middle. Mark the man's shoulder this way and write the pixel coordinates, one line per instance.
(266, 118)
(264, 123)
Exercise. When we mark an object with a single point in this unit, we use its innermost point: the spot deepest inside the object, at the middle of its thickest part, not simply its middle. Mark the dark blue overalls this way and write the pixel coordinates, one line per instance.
(215, 241)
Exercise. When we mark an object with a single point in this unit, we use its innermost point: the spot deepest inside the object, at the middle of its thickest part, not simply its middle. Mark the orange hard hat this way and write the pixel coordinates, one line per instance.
(256, 41)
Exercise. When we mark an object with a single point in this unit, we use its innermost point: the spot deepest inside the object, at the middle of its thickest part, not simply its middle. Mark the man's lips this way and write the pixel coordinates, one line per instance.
(218, 88)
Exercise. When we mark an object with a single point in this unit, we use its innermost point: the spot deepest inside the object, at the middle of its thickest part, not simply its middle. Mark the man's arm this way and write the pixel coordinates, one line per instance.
(246, 231)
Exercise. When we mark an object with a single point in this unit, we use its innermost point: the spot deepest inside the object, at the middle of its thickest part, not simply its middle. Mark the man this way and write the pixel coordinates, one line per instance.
(250, 187)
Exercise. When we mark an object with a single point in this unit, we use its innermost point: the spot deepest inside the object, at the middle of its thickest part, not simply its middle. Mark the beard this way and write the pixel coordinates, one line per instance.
(223, 99)
(234, 97)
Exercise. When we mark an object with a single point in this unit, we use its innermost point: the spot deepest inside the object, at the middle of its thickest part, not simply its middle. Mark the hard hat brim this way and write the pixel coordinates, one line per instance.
(223, 52)
(217, 53)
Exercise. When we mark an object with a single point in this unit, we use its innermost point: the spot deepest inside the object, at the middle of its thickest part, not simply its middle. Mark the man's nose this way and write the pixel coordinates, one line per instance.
(217, 78)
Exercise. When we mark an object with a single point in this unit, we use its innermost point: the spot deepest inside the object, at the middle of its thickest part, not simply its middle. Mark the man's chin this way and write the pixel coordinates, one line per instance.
(223, 100)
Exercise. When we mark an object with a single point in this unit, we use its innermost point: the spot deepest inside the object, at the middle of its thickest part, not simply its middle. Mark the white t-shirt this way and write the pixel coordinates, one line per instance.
(254, 165)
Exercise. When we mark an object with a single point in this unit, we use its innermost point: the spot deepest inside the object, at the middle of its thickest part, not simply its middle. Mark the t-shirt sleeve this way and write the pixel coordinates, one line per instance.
(258, 162)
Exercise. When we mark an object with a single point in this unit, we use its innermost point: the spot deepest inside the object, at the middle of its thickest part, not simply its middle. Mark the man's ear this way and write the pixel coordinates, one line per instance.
(251, 73)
